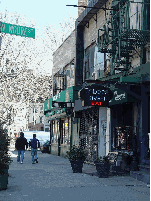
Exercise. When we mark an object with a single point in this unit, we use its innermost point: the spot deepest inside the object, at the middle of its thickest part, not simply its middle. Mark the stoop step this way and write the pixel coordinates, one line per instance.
(144, 168)
(143, 174)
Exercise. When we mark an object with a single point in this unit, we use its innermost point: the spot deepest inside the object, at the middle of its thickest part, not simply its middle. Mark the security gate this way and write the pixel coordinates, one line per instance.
(89, 130)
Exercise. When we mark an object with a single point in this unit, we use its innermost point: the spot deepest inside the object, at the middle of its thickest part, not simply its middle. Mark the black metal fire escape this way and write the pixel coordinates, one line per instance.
(126, 30)
(59, 82)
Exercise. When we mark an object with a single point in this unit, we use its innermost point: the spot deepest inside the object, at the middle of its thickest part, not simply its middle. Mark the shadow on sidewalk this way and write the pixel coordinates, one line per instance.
(91, 170)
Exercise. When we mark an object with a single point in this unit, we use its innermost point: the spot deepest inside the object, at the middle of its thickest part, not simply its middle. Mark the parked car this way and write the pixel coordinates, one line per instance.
(45, 147)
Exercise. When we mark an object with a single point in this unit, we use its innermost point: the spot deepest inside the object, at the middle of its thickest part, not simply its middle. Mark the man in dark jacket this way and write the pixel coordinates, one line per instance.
(33, 144)
(20, 146)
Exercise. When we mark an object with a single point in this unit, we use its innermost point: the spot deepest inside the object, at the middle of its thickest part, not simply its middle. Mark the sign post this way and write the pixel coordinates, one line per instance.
(17, 30)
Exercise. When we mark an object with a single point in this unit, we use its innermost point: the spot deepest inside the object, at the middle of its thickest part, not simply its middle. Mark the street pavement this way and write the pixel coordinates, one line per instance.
(52, 179)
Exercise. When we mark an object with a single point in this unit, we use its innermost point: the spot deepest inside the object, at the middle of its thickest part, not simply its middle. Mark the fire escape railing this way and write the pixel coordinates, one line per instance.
(126, 30)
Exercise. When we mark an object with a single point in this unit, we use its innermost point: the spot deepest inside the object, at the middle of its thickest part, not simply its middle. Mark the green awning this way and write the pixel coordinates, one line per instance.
(47, 105)
(68, 95)
(120, 96)
(138, 75)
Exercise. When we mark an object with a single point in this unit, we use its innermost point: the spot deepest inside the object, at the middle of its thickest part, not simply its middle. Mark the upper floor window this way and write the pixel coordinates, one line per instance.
(94, 63)
(59, 82)
(34, 110)
(89, 62)
(40, 119)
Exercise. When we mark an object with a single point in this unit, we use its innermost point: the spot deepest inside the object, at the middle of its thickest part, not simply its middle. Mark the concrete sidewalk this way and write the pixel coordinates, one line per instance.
(52, 179)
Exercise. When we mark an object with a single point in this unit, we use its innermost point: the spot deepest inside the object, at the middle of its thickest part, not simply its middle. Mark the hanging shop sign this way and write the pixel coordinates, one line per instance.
(96, 95)
(62, 104)
(54, 98)
(120, 96)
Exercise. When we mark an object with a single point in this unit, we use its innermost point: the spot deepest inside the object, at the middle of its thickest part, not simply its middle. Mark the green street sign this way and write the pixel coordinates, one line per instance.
(17, 30)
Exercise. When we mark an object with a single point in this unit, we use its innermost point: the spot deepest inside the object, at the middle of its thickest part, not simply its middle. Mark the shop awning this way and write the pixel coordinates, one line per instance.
(68, 95)
(120, 96)
(138, 75)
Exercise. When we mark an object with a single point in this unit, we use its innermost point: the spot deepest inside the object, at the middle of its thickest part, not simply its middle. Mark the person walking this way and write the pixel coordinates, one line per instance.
(33, 144)
(20, 146)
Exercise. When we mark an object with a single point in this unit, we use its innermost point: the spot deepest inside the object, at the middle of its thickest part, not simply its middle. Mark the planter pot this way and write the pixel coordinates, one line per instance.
(103, 169)
(4, 179)
(77, 166)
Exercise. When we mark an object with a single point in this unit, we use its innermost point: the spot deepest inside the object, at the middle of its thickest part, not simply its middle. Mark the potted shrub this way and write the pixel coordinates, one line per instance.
(76, 156)
(103, 166)
(5, 159)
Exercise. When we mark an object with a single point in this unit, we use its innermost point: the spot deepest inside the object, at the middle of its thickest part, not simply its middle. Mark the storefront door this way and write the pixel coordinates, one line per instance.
(89, 130)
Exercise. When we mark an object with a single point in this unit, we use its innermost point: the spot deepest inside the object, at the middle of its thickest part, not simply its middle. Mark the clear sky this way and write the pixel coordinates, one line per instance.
(43, 12)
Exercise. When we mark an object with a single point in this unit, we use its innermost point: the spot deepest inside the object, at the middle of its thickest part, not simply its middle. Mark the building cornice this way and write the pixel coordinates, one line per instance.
(88, 13)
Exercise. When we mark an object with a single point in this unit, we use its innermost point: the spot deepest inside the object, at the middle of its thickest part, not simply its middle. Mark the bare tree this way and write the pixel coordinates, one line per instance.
(20, 73)
(21, 63)
(54, 37)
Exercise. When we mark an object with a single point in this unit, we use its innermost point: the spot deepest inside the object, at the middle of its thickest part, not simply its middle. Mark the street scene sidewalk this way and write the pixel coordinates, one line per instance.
(52, 179)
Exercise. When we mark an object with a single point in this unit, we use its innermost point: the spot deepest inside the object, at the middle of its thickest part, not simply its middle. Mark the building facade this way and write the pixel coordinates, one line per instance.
(62, 124)
(112, 50)
(36, 117)
(110, 85)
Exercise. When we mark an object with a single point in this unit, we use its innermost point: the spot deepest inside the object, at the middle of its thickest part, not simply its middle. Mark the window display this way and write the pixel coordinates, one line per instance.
(123, 138)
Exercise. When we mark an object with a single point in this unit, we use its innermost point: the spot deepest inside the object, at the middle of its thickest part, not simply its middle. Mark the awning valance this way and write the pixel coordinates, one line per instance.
(68, 95)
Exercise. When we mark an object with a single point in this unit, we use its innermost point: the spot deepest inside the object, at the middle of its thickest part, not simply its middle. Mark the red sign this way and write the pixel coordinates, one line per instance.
(96, 103)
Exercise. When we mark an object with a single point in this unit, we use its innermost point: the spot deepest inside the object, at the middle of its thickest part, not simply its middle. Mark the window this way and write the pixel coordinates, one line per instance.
(98, 59)
(87, 69)
(89, 62)
(123, 138)
(54, 132)
(40, 119)
(64, 82)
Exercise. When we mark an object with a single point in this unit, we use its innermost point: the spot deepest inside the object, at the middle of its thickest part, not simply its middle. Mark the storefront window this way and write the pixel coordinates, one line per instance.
(55, 136)
(123, 138)
(65, 132)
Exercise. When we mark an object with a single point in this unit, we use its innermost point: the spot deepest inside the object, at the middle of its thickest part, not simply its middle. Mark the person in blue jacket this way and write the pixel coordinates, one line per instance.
(34, 143)
(20, 144)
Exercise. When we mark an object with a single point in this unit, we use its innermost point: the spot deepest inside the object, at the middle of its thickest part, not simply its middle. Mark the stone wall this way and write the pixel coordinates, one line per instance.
(81, 3)
(64, 54)
(91, 31)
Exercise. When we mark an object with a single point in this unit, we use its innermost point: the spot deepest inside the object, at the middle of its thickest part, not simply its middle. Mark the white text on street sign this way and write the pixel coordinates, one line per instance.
(17, 30)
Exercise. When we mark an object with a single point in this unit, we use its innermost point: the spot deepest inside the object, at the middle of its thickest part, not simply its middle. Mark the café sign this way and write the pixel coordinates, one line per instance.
(120, 96)
(56, 97)
(96, 95)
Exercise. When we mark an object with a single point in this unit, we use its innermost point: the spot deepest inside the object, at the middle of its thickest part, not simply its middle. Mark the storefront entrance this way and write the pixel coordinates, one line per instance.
(89, 130)
(122, 126)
